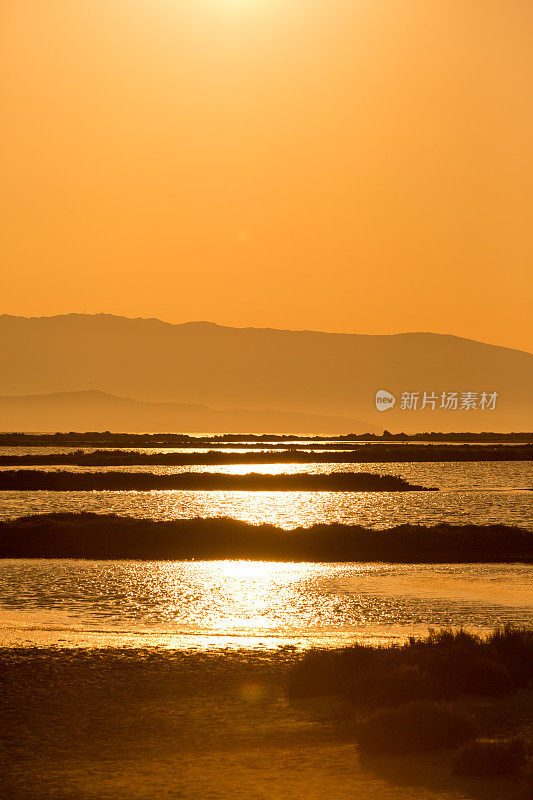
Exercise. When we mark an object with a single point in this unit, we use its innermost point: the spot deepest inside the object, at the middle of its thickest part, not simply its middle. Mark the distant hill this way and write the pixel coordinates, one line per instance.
(303, 372)
(98, 411)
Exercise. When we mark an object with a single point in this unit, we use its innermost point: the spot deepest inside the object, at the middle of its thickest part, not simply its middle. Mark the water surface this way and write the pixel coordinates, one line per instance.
(470, 492)
(258, 604)
(210, 604)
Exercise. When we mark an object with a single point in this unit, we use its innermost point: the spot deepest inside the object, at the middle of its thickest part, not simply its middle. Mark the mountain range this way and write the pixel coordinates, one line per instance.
(98, 411)
(102, 371)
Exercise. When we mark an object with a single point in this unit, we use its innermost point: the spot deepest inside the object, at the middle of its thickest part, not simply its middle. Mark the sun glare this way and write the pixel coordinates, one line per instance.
(246, 7)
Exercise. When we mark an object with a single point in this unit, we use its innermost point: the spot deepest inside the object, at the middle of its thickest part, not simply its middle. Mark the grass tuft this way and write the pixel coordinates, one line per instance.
(443, 666)
(490, 758)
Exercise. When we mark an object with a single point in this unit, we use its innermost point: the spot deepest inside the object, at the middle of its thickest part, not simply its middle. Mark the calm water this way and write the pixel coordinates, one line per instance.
(243, 603)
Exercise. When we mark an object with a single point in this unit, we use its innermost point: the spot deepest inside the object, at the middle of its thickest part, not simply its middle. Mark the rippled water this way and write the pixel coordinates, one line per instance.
(215, 604)
(243, 603)
(288, 509)
(239, 447)
(445, 475)
(476, 492)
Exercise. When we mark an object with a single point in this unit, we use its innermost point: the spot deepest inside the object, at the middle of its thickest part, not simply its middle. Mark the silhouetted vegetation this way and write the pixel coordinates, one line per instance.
(107, 536)
(360, 454)
(108, 439)
(402, 697)
(491, 758)
(33, 480)
(415, 728)
(443, 666)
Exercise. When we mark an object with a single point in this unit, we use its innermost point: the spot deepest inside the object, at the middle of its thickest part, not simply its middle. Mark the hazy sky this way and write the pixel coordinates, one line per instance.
(345, 165)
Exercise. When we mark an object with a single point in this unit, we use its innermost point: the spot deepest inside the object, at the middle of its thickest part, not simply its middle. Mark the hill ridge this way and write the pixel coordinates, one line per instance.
(334, 375)
(260, 329)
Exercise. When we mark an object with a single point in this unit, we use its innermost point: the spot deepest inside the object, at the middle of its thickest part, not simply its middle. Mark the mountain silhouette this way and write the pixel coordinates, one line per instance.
(99, 411)
(302, 372)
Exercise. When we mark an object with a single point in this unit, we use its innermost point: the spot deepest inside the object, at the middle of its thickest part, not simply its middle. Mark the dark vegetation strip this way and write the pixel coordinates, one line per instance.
(296, 446)
(35, 480)
(108, 439)
(107, 536)
(363, 454)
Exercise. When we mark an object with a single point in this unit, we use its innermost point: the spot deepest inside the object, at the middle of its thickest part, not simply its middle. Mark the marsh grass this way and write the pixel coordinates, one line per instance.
(443, 666)
(63, 480)
(108, 536)
(490, 758)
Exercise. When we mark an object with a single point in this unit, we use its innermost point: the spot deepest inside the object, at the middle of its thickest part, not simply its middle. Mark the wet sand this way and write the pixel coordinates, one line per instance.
(139, 724)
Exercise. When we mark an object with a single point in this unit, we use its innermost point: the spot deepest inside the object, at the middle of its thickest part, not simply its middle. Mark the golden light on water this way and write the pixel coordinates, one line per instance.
(284, 509)
(247, 604)
(233, 596)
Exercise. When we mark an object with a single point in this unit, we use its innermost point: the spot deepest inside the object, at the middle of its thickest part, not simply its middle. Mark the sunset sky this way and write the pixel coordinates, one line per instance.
(362, 166)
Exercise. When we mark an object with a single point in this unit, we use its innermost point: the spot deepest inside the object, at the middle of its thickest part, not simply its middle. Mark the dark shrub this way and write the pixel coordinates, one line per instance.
(323, 672)
(446, 639)
(514, 648)
(401, 683)
(442, 666)
(414, 728)
(465, 671)
(490, 758)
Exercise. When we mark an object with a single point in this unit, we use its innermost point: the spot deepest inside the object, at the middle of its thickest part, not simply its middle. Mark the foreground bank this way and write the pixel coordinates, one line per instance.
(138, 724)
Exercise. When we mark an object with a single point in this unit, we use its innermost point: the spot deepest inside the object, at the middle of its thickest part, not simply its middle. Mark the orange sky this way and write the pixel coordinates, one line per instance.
(344, 165)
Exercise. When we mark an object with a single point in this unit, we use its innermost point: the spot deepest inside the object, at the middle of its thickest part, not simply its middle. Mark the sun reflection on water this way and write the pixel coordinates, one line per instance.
(213, 604)
(279, 508)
